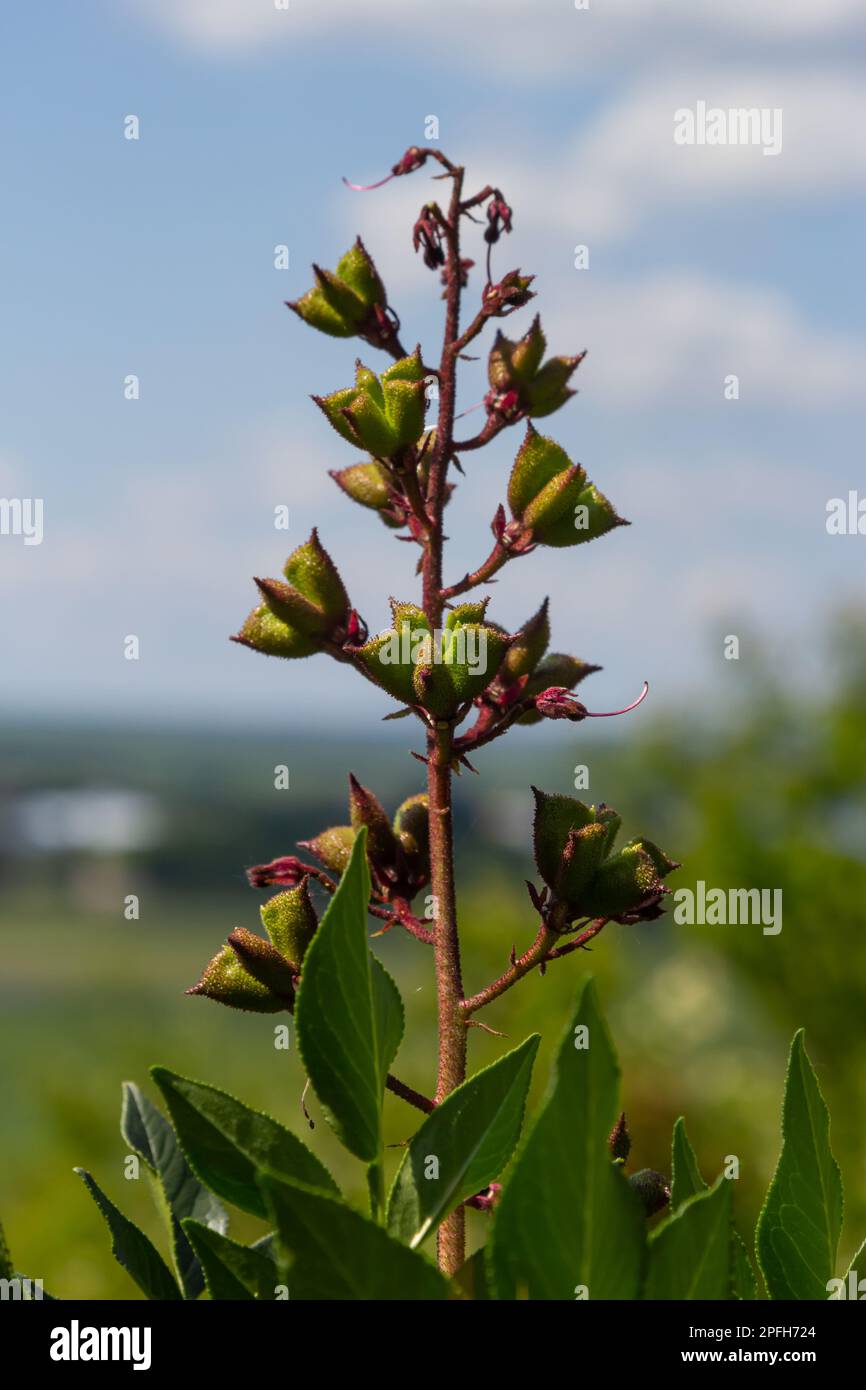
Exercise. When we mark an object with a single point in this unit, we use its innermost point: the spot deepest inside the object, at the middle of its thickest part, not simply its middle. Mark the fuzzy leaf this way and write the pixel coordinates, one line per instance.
(567, 1216)
(471, 1135)
(227, 1144)
(148, 1132)
(232, 1271)
(798, 1229)
(690, 1255)
(328, 1251)
(132, 1249)
(348, 1015)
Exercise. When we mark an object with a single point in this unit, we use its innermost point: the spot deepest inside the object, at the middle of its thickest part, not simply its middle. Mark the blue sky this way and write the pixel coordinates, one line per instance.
(155, 257)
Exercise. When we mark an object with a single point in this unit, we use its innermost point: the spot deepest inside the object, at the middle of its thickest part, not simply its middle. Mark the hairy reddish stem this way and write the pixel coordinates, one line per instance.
(449, 983)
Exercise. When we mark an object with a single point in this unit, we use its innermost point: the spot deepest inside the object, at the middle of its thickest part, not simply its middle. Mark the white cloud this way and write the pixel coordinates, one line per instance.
(677, 336)
(527, 39)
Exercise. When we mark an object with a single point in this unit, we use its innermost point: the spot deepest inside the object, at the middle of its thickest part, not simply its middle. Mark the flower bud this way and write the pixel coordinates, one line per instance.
(296, 618)
(227, 981)
(652, 1188)
(555, 669)
(290, 921)
(552, 498)
(512, 292)
(288, 870)
(348, 302)
(380, 414)
(619, 1140)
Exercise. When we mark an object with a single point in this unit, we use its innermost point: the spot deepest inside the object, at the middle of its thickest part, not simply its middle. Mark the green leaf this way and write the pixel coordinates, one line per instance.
(348, 1015)
(7, 1269)
(180, 1194)
(686, 1180)
(690, 1255)
(326, 1250)
(226, 1143)
(132, 1249)
(798, 1229)
(567, 1217)
(471, 1135)
(232, 1270)
(471, 1279)
(745, 1283)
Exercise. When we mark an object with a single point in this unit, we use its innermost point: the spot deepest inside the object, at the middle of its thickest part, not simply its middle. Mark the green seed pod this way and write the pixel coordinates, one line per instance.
(526, 354)
(549, 388)
(264, 962)
(311, 571)
(527, 648)
(412, 828)
(516, 367)
(332, 847)
(438, 671)
(552, 497)
(290, 921)
(622, 883)
(266, 633)
(356, 268)
(295, 617)
(365, 808)
(368, 484)
(226, 981)
(343, 302)
(382, 415)
(581, 859)
(556, 816)
(661, 863)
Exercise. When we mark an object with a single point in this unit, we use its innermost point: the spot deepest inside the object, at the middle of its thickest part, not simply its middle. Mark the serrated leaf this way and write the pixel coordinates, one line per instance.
(690, 1256)
(349, 1015)
(179, 1191)
(798, 1229)
(232, 1271)
(226, 1143)
(327, 1250)
(567, 1217)
(471, 1135)
(132, 1249)
(686, 1180)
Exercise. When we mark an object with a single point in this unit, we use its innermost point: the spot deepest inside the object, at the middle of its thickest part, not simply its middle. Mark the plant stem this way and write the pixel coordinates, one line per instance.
(449, 984)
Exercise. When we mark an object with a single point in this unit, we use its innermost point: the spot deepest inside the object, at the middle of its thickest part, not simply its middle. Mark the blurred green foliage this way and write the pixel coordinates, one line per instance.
(770, 794)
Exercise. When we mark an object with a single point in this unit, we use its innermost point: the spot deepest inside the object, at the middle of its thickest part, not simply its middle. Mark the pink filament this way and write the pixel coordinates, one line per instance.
(366, 187)
(609, 714)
